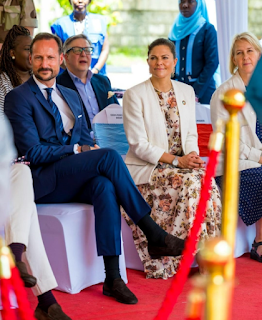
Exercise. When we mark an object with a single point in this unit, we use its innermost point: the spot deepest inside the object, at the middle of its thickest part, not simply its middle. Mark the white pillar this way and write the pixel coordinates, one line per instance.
(232, 18)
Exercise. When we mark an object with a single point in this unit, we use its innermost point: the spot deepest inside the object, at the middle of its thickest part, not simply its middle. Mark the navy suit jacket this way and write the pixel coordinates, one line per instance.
(204, 62)
(37, 134)
(100, 84)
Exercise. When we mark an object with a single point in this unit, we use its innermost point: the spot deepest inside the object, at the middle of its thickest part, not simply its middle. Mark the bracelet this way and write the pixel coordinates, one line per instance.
(96, 69)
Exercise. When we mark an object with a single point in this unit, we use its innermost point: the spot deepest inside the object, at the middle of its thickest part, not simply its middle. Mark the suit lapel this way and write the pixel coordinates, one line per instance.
(248, 111)
(42, 100)
(99, 90)
(182, 108)
(77, 112)
(66, 80)
(39, 96)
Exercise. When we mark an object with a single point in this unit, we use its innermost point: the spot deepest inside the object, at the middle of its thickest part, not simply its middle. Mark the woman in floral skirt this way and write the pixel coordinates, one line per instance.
(159, 121)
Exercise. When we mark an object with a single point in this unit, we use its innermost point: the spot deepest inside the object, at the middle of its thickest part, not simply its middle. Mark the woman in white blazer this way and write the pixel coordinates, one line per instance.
(244, 55)
(159, 121)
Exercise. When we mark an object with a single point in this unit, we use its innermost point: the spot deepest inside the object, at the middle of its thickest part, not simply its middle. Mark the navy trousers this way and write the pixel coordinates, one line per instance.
(101, 178)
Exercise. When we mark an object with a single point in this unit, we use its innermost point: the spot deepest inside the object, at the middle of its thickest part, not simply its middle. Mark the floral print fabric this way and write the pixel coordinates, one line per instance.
(173, 195)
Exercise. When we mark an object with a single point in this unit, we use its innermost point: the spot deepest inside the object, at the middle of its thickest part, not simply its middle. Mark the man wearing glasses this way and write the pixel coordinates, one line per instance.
(50, 129)
(94, 89)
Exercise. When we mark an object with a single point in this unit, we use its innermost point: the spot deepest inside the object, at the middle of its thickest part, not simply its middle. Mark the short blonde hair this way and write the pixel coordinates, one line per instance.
(250, 38)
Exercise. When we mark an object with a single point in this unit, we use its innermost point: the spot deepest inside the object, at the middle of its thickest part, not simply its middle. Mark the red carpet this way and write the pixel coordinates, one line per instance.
(91, 304)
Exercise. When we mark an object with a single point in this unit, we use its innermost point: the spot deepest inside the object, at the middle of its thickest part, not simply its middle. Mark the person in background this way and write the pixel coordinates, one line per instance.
(15, 67)
(160, 125)
(196, 44)
(22, 232)
(244, 55)
(17, 12)
(92, 25)
(94, 89)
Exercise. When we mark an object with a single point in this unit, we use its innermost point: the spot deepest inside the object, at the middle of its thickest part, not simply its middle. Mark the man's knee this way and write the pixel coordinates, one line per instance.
(21, 174)
(102, 186)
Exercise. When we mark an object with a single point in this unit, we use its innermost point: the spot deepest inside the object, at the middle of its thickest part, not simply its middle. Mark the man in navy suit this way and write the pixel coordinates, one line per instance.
(50, 129)
(94, 89)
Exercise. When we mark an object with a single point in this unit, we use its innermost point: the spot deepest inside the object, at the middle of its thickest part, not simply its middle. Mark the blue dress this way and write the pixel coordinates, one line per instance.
(95, 31)
(196, 66)
(250, 193)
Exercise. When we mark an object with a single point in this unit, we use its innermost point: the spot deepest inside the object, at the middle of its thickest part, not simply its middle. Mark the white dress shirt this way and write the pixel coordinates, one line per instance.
(67, 116)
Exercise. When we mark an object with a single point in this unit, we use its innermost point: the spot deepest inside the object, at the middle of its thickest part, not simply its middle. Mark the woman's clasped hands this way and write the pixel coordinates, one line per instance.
(191, 161)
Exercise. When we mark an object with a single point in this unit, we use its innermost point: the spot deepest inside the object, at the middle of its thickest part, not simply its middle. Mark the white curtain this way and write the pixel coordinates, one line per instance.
(232, 18)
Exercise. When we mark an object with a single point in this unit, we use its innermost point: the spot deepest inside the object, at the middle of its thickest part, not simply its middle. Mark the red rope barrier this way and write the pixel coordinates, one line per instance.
(7, 312)
(191, 243)
(24, 310)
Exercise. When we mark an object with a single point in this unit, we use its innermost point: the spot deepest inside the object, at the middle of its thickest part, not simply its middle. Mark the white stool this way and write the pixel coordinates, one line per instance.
(68, 232)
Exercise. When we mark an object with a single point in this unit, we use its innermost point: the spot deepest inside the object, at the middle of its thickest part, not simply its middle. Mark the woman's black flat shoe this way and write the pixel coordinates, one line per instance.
(174, 247)
(253, 253)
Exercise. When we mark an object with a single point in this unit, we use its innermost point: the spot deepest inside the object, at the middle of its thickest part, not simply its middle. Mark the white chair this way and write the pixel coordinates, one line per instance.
(244, 238)
(68, 232)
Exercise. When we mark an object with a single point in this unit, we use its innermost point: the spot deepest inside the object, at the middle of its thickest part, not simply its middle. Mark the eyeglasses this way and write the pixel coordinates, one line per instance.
(186, 1)
(79, 50)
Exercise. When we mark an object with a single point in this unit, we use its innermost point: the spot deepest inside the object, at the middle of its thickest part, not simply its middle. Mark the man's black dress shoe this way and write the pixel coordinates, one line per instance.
(29, 280)
(54, 312)
(174, 247)
(120, 292)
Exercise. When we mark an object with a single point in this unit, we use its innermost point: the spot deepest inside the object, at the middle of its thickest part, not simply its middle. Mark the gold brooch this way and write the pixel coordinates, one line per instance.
(110, 94)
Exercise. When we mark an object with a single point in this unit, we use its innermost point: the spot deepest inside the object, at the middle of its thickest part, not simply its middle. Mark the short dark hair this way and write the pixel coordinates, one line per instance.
(71, 39)
(47, 36)
(162, 42)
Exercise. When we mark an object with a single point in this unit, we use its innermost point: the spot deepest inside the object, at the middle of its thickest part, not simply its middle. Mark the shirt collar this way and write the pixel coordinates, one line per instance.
(75, 78)
(43, 86)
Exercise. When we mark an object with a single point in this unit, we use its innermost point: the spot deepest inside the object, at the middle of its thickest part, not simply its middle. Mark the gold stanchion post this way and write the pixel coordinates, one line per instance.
(233, 101)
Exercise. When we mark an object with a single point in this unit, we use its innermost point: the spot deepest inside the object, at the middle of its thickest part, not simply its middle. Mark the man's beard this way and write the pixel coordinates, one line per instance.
(52, 76)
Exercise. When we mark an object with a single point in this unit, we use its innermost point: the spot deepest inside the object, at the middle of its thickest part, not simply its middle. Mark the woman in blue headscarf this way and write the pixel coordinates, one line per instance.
(196, 44)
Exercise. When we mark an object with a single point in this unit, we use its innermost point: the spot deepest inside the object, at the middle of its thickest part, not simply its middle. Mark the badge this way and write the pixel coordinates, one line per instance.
(184, 102)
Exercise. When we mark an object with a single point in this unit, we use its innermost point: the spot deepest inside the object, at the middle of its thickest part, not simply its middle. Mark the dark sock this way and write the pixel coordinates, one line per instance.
(155, 234)
(45, 300)
(17, 249)
(111, 269)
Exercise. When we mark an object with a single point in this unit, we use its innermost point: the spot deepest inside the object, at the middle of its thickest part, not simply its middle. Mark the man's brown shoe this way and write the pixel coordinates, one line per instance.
(120, 292)
(174, 247)
(28, 279)
(54, 312)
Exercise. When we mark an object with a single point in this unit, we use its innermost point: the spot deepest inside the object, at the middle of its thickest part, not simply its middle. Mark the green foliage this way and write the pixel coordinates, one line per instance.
(108, 8)
(126, 56)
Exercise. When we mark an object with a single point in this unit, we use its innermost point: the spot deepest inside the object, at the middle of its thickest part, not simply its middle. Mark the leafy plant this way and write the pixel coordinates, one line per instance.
(108, 8)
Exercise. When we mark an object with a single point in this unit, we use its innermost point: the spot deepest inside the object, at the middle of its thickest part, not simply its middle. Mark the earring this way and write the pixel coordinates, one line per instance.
(13, 57)
(173, 73)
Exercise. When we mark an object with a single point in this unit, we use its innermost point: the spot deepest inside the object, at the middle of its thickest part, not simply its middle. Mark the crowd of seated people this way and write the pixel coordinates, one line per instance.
(50, 129)
(159, 186)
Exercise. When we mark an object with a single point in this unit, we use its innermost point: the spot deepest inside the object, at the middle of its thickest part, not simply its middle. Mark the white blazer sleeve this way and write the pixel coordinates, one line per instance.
(135, 129)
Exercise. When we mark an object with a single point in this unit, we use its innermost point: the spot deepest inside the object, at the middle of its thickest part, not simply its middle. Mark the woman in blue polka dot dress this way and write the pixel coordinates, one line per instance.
(244, 55)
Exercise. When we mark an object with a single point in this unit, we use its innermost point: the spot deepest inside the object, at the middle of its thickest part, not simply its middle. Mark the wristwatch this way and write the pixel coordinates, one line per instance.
(175, 162)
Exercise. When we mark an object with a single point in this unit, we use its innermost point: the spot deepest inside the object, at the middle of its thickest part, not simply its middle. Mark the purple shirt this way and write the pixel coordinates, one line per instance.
(87, 94)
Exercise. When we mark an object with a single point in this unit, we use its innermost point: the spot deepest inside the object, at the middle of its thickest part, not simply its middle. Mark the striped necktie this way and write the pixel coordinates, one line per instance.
(58, 119)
